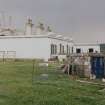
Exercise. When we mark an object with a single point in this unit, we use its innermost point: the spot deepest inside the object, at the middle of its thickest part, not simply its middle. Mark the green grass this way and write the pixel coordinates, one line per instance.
(16, 87)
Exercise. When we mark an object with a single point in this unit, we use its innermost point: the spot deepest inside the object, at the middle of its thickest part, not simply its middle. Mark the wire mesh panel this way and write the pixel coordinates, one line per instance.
(49, 81)
(2, 55)
(32, 82)
(7, 55)
(46, 72)
(10, 55)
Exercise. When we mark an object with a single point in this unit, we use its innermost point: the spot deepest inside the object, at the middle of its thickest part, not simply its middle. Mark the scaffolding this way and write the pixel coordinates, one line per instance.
(81, 65)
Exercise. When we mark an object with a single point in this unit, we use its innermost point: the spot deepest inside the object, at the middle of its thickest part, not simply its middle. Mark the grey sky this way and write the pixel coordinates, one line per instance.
(84, 20)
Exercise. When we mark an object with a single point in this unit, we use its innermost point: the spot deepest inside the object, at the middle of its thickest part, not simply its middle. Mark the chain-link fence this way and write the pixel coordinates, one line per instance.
(35, 82)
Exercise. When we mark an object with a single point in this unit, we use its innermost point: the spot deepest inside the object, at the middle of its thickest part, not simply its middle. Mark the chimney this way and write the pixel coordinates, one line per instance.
(40, 28)
(28, 27)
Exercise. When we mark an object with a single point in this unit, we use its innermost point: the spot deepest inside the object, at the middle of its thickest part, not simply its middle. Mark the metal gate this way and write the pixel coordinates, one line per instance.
(97, 66)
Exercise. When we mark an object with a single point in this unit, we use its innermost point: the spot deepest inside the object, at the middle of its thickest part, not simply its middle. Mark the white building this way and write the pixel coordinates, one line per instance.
(86, 48)
(34, 46)
(28, 45)
(39, 42)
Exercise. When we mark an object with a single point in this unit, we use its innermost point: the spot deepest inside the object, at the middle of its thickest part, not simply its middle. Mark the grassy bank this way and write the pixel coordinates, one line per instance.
(18, 87)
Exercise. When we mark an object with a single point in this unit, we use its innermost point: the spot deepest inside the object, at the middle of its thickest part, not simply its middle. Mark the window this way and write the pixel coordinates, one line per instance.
(78, 50)
(72, 49)
(67, 49)
(91, 50)
(60, 48)
(53, 49)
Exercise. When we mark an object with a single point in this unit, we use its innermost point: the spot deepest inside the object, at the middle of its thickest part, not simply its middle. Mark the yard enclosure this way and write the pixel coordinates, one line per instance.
(26, 83)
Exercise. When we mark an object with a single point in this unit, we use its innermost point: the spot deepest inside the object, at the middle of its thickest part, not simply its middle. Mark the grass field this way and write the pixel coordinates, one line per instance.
(18, 87)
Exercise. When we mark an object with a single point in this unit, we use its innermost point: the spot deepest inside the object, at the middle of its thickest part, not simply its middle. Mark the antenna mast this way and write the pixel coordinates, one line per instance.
(10, 21)
(3, 18)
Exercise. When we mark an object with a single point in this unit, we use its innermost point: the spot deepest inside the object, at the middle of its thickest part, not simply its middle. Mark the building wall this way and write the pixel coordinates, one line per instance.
(61, 55)
(26, 47)
(102, 48)
(85, 48)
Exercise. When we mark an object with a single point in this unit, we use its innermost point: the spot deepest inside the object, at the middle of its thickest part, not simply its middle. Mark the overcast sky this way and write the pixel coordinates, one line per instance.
(84, 20)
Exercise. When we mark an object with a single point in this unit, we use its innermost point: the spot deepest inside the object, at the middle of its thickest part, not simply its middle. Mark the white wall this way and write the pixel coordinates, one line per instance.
(58, 42)
(64, 43)
(85, 48)
(31, 46)
(27, 47)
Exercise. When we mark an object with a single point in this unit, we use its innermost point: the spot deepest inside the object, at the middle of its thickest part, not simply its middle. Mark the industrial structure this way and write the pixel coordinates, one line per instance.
(40, 42)
(36, 42)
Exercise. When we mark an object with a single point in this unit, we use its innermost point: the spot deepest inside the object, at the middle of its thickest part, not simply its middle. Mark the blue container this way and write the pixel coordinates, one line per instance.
(97, 66)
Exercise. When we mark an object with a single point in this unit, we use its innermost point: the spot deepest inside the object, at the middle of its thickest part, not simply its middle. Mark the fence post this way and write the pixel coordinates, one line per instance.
(33, 69)
(3, 56)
